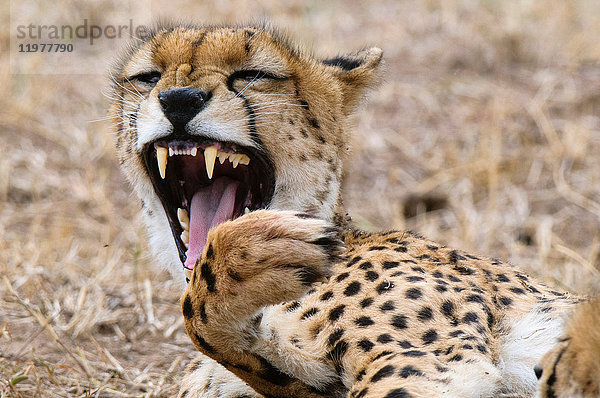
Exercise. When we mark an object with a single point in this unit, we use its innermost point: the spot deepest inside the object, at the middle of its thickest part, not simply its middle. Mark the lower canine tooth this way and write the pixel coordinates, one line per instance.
(246, 210)
(185, 238)
(210, 155)
(161, 159)
(184, 219)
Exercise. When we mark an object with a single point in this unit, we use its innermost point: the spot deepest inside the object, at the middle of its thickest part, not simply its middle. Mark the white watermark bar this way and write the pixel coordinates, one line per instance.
(46, 41)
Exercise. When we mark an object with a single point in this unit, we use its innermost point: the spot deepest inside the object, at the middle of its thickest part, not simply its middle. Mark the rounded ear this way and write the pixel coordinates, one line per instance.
(356, 72)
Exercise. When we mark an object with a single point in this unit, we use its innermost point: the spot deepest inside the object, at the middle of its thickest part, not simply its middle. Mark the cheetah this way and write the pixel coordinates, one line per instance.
(572, 368)
(285, 297)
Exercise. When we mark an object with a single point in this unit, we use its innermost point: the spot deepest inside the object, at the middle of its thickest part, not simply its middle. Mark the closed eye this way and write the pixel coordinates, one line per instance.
(254, 75)
(150, 78)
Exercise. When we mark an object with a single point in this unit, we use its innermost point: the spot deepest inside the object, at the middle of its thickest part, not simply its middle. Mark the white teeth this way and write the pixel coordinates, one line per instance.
(244, 159)
(222, 156)
(210, 155)
(236, 160)
(161, 159)
(184, 219)
(171, 152)
(194, 151)
(185, 238)
(246, 210)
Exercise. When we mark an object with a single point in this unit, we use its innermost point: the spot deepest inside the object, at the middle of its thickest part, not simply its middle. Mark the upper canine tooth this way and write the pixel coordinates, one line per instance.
(244, 159)
(210, 155)
(194, 151)
(171, 152)
(161, 159)
(222, 156)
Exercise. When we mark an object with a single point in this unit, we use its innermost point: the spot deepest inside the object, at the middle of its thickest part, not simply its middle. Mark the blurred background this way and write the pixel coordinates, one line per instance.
(483, 135)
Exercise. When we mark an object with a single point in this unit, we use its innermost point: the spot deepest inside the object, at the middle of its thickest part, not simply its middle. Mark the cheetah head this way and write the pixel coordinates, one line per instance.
(215, 122)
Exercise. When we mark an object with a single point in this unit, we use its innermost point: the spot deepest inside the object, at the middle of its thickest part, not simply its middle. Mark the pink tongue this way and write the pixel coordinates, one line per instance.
(210, 206)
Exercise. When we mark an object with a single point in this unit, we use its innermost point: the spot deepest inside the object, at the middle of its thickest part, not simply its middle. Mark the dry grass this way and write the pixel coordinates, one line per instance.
(483, 135)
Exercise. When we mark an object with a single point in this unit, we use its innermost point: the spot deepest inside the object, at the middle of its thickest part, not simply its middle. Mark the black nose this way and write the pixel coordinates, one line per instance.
(180, 105)
(537, 369)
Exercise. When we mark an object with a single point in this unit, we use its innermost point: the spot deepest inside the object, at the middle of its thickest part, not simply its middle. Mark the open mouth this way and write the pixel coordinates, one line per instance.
(203, 183)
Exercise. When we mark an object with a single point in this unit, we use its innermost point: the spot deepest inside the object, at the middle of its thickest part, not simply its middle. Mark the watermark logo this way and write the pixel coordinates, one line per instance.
(71, 39)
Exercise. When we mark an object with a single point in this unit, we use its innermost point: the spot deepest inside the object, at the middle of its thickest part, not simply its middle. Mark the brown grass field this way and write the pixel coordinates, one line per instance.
(484, 135)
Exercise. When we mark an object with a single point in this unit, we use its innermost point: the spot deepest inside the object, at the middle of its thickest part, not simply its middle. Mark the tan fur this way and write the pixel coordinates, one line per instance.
(572, 368)
(293, 300)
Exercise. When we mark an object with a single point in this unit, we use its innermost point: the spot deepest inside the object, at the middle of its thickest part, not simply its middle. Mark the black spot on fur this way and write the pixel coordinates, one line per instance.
(188, 310)
(209, 252)
(455, 358)
(335, 336)
(365, 345)
(463, 270)
(384, 287)
(326, 296)
(405, 344)
(415, 278)
(364, 303)
(399, 321)
(506, 301)
(413, 293)
(453, 278)
(448, 309)
(401, 249)
(376, 248)
(352, 289)
(425, 314)
(474, 298)
(482, 348)
(336, 313)
(470, 317)
(366, 265)
(502, 278)
(408, 371)
(384, 338)
(387, 306)
(383, 354)
(429, 336)
(390, 264)
(314, 123)
(293, 306)
(364, 321)
(414, 353)
(342, 276)
(203, 316)
(309, 313)
(382, 373)
(204, 345)
(441, 288)
(354, 261)
(208, 276)
(371, 276)
(517, 290)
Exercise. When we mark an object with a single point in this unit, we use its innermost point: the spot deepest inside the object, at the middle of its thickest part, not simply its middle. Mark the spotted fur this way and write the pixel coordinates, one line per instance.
(292, 299)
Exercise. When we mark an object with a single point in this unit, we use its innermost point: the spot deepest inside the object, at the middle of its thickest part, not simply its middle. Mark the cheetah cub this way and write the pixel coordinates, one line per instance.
(234, 139)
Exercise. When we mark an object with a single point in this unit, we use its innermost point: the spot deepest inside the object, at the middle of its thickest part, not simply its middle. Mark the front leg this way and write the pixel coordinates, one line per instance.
(260, 259)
